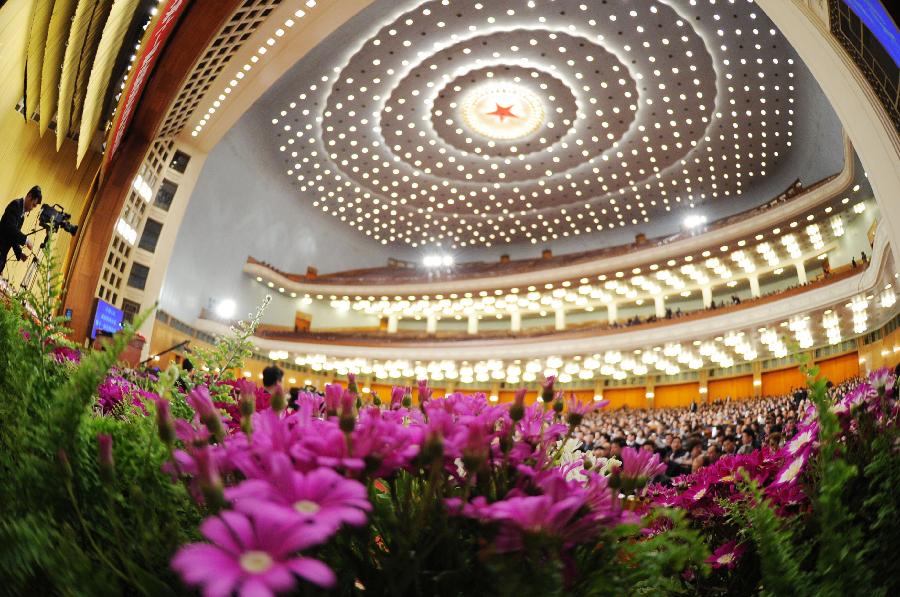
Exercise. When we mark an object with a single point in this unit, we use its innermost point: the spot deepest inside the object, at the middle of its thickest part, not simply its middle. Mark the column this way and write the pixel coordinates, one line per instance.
(392, 323)
(703, 385)
(612, 312)
(650, 391)
(757, 379)
(707, 296)
(660, 302)
(431, 323)
(801, 272)
(472, 324)
(598, 390)
(560, 313)
(515, 321)
(754, 286)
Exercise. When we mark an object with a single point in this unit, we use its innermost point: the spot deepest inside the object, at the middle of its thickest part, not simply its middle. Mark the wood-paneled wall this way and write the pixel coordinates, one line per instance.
(622, 397)
(736, 388)
(839, 368)
(681, 394)
(782, 381)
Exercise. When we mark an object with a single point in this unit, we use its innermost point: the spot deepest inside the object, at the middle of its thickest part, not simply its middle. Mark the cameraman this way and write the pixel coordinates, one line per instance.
(11, 236)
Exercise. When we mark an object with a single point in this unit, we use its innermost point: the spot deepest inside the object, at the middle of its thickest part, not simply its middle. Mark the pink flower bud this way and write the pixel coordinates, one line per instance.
(547, 393)
(517, 410)
(105, 456)
(424, 391)
(348, 400)
(279, 401)
(333, 393)
(397, 393)
(165, 425)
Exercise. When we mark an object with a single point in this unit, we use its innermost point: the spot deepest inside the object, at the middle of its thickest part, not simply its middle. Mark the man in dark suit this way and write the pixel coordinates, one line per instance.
(11, 236)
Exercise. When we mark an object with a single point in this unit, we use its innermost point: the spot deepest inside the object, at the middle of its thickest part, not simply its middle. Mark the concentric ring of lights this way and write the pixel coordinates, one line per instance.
(670, 113)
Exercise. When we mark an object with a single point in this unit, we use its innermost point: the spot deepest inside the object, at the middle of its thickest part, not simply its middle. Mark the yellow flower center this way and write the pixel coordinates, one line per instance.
(306, 507)
(256, 562)
(725, 558)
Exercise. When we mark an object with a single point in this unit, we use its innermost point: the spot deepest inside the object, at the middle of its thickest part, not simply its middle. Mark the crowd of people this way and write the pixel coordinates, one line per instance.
(692, 437)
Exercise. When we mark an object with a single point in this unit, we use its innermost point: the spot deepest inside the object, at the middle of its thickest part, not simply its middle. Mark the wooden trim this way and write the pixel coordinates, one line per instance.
(195, 31)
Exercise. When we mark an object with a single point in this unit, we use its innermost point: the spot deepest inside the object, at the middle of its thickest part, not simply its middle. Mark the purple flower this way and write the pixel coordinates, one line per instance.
(540, 515)
(397, 394)
(64, 354)
(883, 380)
(547, 391)
(424, 391)
(333, 393)
(251, 556)
(577, 410)
(320, 500)
(792, 469)
(638, 468)
(727, 555)
(116, 390)
(801, 441)
(202, 404)
(245, 387)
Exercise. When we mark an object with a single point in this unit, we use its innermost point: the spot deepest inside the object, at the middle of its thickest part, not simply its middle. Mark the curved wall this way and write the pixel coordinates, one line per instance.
(239, 208)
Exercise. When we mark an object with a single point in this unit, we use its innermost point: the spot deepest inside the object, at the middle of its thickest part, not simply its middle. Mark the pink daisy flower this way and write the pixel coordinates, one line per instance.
(320, 500)
(249, 556)
(727, 555)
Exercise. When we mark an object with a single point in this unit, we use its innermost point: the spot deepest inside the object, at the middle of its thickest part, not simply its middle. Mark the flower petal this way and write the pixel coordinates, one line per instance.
(314, 571)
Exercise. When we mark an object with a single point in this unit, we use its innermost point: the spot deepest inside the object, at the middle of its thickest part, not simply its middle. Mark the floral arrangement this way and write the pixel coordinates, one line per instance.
(121, 483)
(748, 504)
(334, 477)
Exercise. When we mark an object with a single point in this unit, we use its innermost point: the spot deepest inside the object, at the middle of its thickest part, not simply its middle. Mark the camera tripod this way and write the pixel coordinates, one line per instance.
(33, 262)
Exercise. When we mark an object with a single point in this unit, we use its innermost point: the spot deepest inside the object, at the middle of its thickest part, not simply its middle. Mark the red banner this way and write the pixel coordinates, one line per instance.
(154, 41)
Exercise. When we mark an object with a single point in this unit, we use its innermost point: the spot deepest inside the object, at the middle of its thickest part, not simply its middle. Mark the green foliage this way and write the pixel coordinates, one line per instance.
(62, 529)
(780, 553)
(629, 564)
(232, 349)
(845, 544)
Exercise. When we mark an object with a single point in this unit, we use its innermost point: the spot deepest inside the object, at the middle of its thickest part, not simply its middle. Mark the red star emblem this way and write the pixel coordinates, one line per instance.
(502, 112)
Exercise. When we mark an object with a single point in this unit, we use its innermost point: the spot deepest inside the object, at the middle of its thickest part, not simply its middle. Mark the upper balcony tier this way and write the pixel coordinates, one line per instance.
(829, 312)
(797, 217)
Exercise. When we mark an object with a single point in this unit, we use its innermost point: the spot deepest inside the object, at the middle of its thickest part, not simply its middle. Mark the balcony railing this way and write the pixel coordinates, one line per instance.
(377, 337)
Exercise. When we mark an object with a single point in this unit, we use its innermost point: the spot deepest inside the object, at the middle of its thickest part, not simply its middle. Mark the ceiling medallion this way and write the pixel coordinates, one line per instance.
(503, 112)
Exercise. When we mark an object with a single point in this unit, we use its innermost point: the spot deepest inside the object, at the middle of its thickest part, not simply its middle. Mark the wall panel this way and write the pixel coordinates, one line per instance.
(736, 388)
(626, 397)
(840, 368)
(782, 381)
(676, 395)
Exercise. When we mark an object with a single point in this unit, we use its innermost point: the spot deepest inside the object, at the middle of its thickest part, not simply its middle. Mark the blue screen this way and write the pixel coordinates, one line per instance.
(106, 318)
(880, 23)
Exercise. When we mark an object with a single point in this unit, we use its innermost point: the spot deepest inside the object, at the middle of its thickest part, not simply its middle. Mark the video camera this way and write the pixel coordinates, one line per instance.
(53, 217)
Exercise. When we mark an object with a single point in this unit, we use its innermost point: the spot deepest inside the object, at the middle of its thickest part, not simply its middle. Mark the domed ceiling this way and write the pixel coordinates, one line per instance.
(461, 123)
